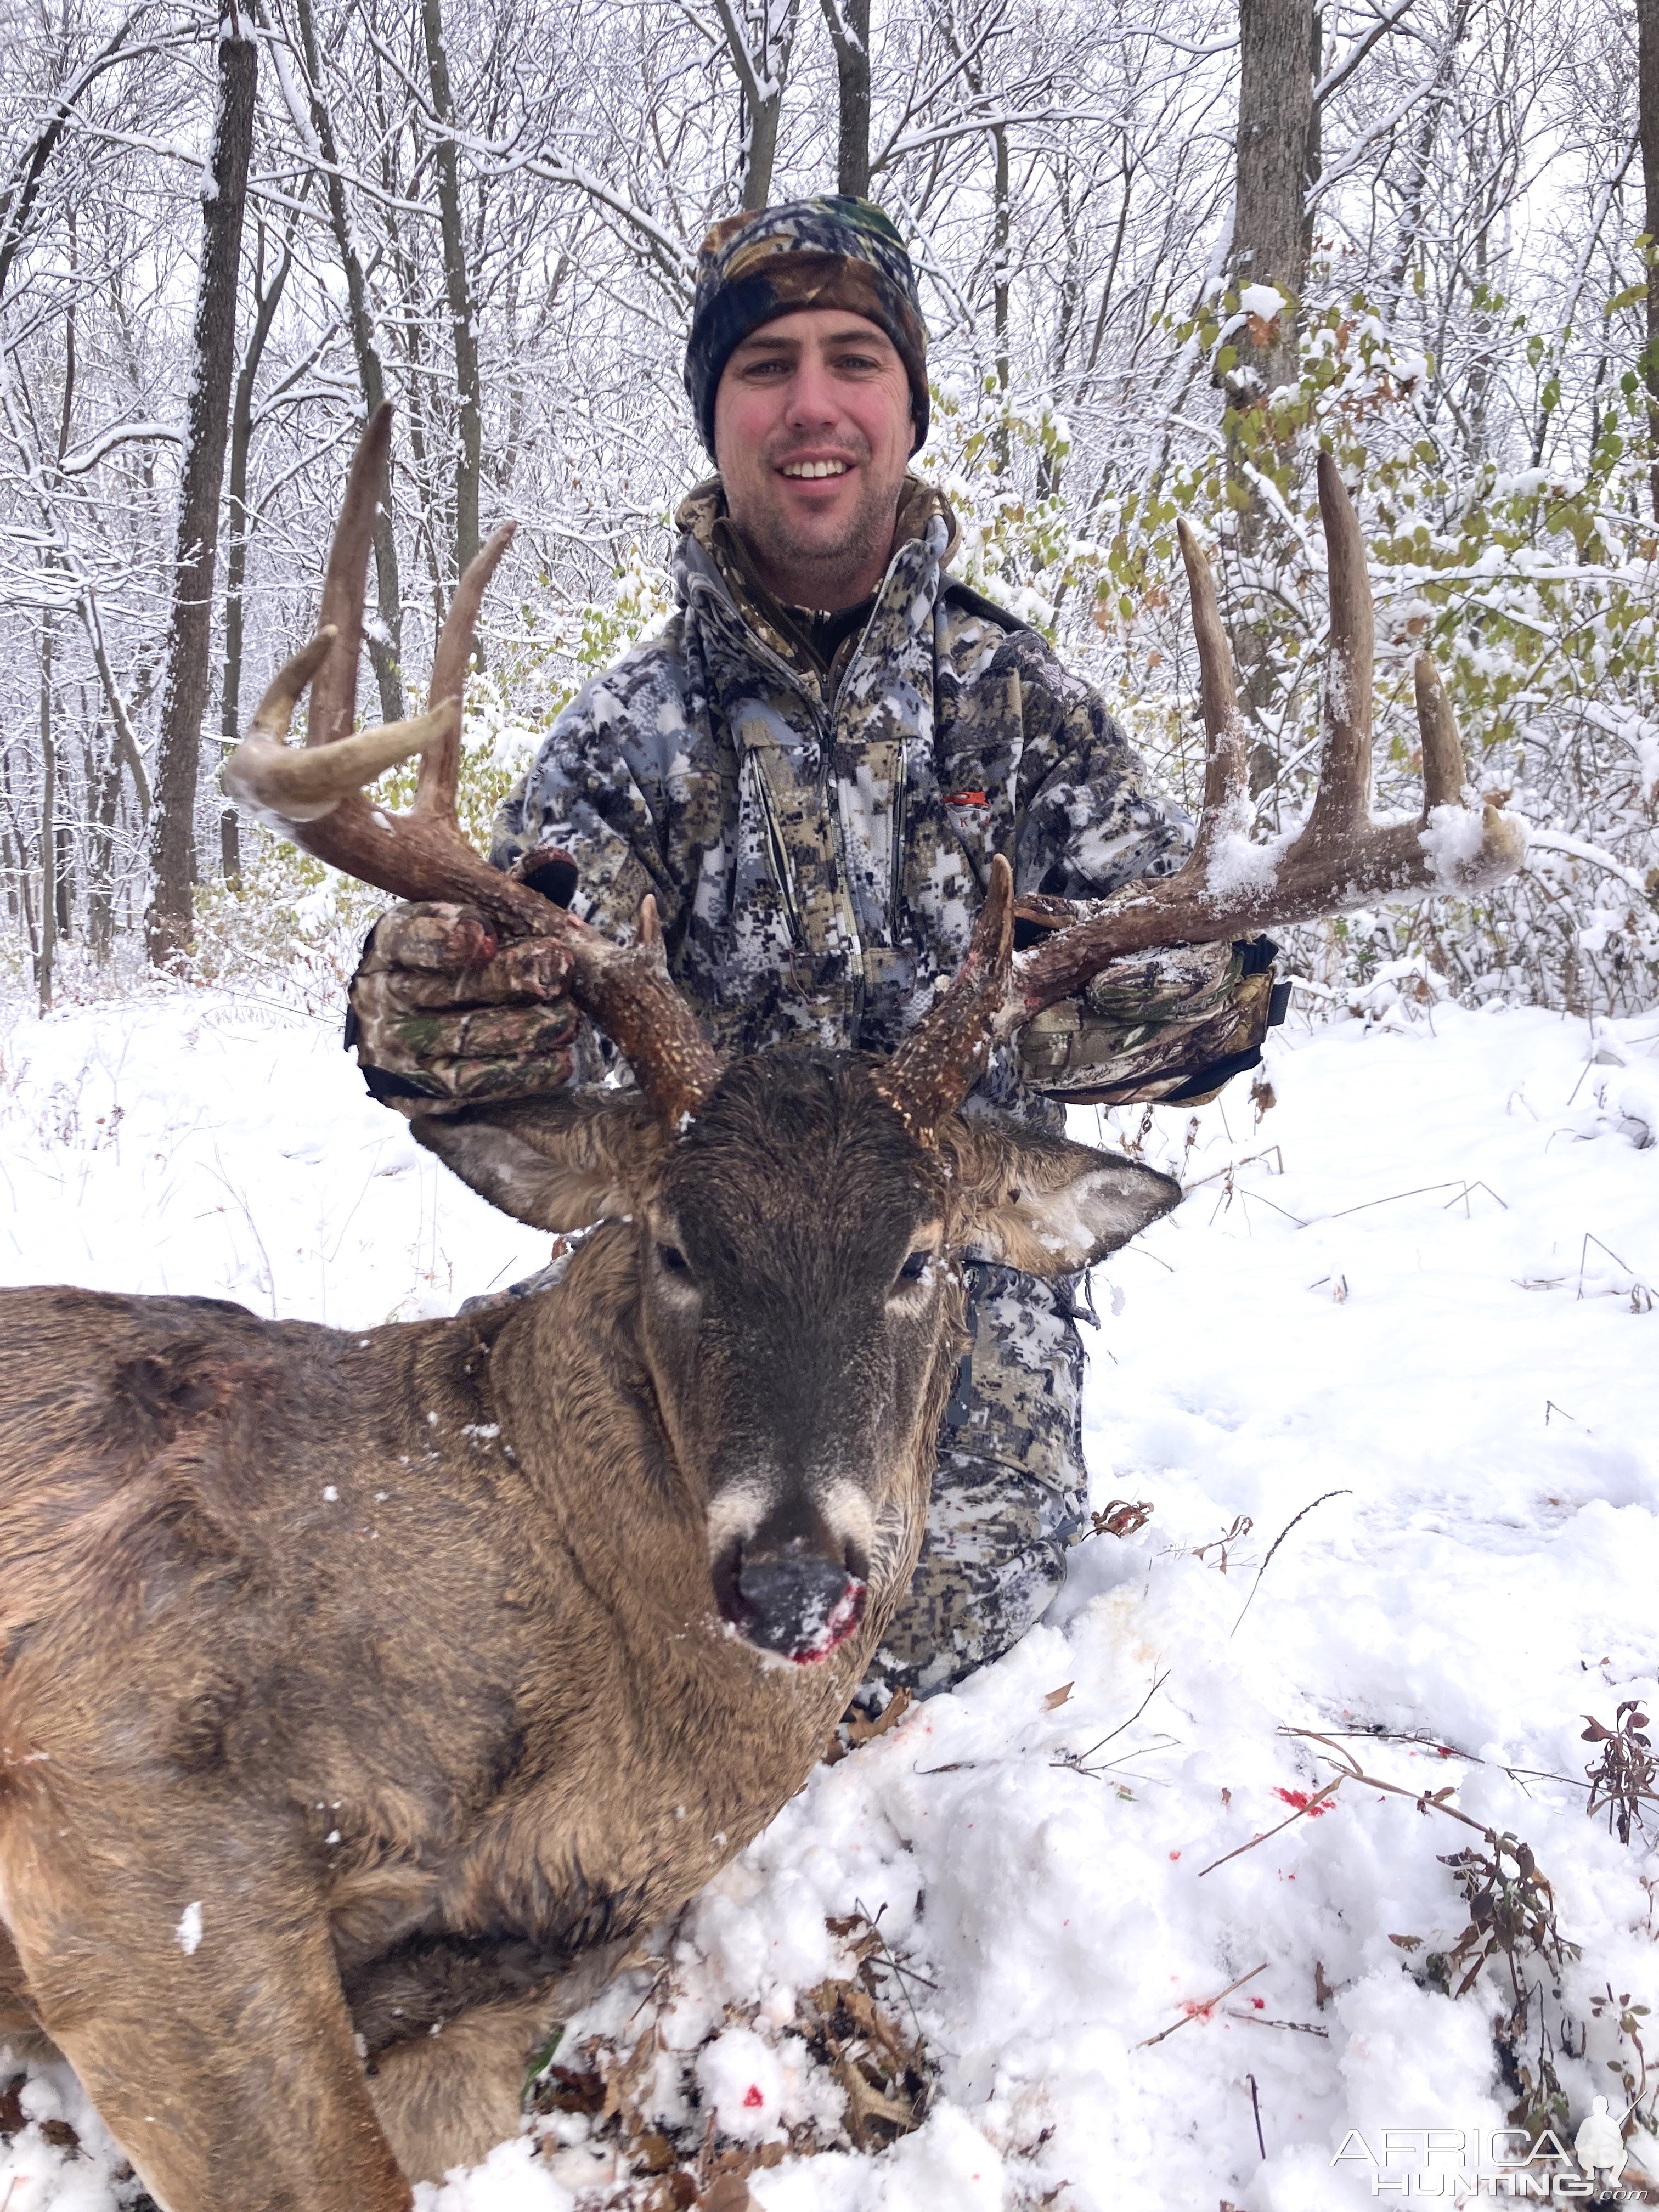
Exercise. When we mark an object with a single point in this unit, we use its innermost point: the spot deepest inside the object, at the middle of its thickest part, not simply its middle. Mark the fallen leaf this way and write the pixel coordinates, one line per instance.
(1058, 1697)
(866, 1731)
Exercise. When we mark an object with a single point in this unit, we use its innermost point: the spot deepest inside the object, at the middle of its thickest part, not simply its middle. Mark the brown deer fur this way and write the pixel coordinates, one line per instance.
(395, 1657)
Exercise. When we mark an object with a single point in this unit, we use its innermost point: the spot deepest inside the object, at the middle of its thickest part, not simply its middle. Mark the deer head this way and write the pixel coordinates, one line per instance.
(798, 1237)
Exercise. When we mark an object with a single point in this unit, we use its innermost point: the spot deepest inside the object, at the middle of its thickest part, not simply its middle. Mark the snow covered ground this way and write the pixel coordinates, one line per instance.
(1415, 1304)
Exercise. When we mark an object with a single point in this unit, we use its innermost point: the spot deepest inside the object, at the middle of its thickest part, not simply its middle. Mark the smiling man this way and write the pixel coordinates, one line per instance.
(811, 769)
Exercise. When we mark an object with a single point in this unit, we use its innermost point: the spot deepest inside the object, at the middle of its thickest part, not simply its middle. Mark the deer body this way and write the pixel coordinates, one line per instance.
(366, 1694)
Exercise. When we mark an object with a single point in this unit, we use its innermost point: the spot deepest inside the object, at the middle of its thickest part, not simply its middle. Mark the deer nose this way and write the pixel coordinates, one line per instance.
(794, 1602)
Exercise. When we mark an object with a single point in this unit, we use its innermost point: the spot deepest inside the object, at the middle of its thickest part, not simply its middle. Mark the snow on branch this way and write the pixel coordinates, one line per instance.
(122, 434)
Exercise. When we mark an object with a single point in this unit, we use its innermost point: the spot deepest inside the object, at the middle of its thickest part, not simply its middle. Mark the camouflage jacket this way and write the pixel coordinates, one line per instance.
(816, 826)
(815, 803)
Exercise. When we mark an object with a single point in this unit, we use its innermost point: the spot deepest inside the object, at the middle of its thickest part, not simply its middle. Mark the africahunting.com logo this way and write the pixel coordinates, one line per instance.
(1460, 2164)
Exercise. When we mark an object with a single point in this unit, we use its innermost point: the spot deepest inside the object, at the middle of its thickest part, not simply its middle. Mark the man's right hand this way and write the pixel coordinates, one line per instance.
(442, 1013)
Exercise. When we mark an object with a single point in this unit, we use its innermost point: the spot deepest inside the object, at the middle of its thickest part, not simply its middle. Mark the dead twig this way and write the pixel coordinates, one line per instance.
(1274, 1545)
(1315, 1804)
(1195, 2011)
(1256, 2107)
(1078, 1758)
(1423, 1190)
(1292, 2026)
(1232, 1167)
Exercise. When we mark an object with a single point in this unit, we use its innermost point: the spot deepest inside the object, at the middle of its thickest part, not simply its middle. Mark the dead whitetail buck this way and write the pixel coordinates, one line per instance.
(357, 1688)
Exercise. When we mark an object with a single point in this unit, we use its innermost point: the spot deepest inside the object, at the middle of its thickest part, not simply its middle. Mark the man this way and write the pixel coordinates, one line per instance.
(810, 770)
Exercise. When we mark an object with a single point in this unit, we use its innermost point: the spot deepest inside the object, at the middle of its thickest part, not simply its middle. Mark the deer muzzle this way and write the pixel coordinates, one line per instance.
(790, 1597)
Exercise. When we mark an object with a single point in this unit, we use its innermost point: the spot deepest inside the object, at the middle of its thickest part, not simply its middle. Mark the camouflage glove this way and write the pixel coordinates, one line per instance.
(439, 1014)
(1170, 1026)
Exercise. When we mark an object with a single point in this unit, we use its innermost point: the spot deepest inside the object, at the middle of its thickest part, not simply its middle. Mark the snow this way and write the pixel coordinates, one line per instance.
(741, 2077)
(1266, 301)
(1413, 1306)
(511, 2179)
(188, 1933)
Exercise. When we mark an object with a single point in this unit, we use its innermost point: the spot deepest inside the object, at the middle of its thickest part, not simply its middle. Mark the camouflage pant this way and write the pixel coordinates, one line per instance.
(1009, 1491)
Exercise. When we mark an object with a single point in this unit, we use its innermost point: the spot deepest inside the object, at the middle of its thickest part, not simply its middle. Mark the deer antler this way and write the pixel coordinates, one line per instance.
(314, 794)
(1230, 887)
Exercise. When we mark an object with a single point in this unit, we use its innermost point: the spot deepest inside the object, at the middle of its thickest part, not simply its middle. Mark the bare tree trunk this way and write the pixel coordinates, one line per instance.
(1417, 173)
(1647, 38)
(103, 799)
(17, 199)
(1275, 114)
(386, 648)
(236, 516)
(48, 952)
(468, 457)
(21, 875)
(760, 46)
(1001, 237)
(213, 353)
(849, 34)
(1277, 52)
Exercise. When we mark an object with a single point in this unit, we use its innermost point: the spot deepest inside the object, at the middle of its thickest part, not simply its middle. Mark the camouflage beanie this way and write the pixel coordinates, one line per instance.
(828, 252)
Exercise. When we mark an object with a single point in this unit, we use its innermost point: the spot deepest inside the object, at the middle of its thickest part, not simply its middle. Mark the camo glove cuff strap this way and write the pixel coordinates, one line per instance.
(1167, 1026)
(439, 1015)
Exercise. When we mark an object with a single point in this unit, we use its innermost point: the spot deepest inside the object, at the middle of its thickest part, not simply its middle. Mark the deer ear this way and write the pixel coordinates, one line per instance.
(561, 1162)
(1044, 1204)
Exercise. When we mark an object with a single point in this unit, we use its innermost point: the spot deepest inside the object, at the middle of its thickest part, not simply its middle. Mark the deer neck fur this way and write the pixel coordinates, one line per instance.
(677, 1740)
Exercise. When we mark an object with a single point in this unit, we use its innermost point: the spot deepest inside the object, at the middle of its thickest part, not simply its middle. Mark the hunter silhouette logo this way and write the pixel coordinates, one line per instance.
(1599, 2147)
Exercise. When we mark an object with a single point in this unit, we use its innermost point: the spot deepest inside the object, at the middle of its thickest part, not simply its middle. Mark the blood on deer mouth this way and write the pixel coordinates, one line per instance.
(839, 1623)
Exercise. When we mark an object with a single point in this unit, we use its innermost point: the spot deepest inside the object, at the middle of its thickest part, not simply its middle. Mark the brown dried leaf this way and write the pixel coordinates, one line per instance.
(730, 2193)
(867, 2102)
(866, 1731)
(1121, 1517)
(564, 2089)
(1058, 1697)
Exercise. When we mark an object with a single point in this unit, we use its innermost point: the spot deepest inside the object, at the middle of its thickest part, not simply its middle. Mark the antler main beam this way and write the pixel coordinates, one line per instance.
(1230, 887)
(314, 794)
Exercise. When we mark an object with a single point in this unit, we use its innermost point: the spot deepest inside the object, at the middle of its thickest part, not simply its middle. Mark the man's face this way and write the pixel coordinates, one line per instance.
(812, 433)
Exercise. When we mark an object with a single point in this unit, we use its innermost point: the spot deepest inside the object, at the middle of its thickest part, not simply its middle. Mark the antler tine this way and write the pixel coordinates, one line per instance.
(1443, 767)
(440, 766)
(334, 693)
(314, 793)
(1230, 888)
(305, 786)
(288, 783)
(1226, 768)
(944, 1056)
(1341, 803)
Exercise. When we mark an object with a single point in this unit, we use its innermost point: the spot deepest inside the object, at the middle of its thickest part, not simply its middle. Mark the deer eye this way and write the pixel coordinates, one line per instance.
(672, 1261)
(916, 1266)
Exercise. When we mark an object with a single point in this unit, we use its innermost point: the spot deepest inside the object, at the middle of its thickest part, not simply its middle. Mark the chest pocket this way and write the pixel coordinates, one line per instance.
(795, 833)
(800, 834)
